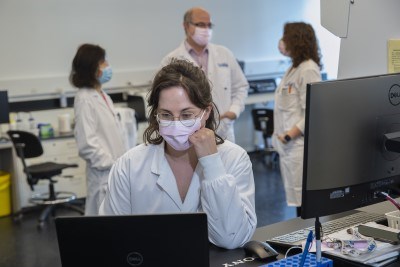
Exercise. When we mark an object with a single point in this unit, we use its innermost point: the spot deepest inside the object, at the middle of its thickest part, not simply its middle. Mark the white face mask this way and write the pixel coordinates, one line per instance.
(202, 36)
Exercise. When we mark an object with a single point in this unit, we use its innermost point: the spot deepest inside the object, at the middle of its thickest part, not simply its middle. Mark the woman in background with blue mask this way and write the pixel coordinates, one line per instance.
(98, 131)
(184, 166)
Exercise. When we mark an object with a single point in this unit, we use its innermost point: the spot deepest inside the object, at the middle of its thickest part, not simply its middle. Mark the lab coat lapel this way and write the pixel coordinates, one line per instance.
(99, 99)
(107, 107)
(166, 179)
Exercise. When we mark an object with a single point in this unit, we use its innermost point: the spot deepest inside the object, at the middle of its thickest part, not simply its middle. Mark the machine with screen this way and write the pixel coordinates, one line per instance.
(352, 138)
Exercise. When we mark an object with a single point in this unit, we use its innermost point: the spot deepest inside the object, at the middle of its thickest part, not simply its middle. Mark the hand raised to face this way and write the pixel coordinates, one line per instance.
(203, 141)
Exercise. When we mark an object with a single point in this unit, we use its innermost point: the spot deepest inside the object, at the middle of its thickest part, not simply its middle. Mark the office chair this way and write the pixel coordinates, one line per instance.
(263, 120)
(137, 103)
(28, 145)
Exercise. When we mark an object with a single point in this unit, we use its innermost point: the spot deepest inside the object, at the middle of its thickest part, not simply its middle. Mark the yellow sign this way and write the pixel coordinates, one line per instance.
(394, 56)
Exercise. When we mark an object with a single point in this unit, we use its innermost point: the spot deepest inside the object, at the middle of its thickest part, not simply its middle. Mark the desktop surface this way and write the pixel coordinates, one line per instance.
(221, 257)
(358, 217)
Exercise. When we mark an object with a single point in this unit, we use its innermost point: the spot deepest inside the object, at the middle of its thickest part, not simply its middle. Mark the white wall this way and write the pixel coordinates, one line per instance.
(328, 42)
(40, 38)
(371, 24)
(365, 26)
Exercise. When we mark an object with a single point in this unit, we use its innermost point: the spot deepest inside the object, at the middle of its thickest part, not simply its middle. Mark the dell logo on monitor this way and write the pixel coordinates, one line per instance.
(134, 259)
(394, 95)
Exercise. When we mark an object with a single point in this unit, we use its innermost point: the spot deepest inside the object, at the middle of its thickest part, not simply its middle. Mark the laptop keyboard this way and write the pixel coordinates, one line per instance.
(294, 238)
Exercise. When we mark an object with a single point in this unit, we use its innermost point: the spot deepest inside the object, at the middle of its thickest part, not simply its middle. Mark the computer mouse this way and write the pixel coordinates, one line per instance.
(261, 250)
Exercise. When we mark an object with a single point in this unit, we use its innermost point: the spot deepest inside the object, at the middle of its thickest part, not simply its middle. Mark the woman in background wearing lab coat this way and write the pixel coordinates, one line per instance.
(98, 132)
(184, 166)
(300, 44)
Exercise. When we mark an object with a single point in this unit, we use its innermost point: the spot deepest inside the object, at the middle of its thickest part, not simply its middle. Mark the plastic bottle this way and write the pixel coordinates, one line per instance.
(63, 99)
(13, 124)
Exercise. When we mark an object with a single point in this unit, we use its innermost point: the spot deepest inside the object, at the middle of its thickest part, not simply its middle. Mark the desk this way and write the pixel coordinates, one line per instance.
(259, 98)
(224, 258)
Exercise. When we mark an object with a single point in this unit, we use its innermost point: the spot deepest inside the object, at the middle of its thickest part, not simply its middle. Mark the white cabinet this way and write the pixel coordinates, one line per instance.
(71, 180)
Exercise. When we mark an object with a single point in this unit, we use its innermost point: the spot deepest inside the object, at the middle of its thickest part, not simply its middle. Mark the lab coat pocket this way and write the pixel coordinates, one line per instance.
(224, 80)
(288, 101)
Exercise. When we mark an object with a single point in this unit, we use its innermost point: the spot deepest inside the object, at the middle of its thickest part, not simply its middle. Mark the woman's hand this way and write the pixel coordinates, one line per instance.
(292, 134)
(281, 137)
(228, 115)
(203, 141)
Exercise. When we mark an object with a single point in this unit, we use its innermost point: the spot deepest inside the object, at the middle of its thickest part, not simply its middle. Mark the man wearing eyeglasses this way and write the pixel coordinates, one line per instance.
(229, 85)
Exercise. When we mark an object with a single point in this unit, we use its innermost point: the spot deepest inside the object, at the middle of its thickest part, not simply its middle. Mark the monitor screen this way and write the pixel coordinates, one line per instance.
(4, 107)
(346, 162)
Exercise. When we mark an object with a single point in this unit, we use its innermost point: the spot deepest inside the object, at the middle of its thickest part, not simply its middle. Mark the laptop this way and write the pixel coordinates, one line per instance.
(179, 239)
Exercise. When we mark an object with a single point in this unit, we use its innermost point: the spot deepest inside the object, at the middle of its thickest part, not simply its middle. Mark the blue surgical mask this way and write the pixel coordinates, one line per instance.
(106, 75)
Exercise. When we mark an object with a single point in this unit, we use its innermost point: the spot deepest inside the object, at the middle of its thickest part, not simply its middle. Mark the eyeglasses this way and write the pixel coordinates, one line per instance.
(203, 25)
(187, 119)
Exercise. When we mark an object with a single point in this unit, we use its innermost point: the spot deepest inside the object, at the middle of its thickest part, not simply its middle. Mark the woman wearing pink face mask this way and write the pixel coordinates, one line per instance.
(299, 42)
(184, 166)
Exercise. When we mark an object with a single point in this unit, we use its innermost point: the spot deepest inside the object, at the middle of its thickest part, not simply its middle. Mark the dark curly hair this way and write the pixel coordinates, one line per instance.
(301, 43)
(192, 79)
(85, 65)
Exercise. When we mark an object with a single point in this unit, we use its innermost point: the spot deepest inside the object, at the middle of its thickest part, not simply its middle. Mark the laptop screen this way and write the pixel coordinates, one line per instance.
(179, 239)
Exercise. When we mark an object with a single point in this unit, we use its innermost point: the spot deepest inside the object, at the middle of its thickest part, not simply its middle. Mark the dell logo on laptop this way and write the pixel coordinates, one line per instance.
(394, 95)
(134, 259)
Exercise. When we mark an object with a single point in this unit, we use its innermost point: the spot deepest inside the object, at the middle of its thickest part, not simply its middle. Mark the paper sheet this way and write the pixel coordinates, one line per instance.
(394, 56)
(383, 252)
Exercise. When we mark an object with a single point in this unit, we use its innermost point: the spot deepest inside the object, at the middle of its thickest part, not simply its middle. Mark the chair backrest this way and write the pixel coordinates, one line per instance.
(263, 120)
(137, 103)
(26, 143)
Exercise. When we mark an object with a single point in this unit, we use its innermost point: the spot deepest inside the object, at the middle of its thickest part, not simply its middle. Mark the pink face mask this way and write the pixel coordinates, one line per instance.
(177, 135)
(282, 48)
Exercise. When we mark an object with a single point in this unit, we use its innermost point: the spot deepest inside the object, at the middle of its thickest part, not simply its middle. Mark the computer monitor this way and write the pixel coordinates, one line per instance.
(4, 107)
(346, 159)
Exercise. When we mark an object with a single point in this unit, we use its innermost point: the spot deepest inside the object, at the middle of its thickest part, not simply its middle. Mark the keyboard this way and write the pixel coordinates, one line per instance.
(295, 238)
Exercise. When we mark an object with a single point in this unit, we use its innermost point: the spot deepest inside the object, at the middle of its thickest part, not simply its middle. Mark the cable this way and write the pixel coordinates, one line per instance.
(287, 252)
(392, 200)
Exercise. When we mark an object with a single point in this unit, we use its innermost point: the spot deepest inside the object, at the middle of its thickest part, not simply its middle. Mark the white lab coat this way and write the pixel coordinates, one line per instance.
(290, 105)
(99, 137)
(141, 181)
(228, 83)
